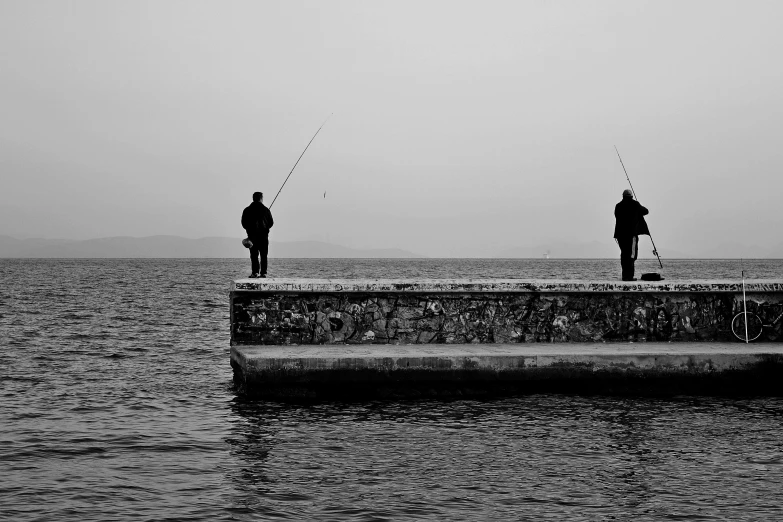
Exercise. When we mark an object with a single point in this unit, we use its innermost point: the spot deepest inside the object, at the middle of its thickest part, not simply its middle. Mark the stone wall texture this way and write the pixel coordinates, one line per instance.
(318, 314)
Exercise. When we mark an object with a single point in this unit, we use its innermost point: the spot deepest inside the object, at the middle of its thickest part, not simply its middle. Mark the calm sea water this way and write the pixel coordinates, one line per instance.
(116, 403)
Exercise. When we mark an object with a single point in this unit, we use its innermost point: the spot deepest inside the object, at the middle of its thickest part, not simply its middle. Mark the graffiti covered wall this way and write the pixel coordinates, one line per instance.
(314, 316)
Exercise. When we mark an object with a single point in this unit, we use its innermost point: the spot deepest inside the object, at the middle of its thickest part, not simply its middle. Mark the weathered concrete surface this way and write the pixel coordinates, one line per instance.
(399, 312)
(372, 370)
(296, 285)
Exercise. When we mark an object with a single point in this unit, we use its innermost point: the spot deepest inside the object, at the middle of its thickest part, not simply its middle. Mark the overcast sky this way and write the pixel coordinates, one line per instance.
(459, 128)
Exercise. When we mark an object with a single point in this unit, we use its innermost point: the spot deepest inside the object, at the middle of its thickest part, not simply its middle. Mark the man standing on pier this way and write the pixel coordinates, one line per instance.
(257, 220)
(629, 225)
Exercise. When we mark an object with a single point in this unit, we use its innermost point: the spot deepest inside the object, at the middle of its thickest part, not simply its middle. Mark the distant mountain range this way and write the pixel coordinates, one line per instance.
(229, 247)
(175, 246)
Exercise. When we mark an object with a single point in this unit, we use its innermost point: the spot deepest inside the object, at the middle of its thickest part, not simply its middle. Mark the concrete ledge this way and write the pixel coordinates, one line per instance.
(364, 371)
(288, 285)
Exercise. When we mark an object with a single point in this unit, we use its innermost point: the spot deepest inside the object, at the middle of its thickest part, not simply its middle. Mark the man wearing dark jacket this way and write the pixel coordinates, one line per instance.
(257, 220)
(629, 225)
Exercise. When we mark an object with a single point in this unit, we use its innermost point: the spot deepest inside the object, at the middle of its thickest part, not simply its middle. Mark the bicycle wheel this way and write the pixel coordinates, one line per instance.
(754, 326)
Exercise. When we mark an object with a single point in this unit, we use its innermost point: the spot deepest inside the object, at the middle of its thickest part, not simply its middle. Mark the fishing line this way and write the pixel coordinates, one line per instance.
(744, 303)
(300, 157)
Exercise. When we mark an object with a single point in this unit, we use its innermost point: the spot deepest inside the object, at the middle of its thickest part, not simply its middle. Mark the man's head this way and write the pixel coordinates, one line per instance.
(627, 193)
(258, 196)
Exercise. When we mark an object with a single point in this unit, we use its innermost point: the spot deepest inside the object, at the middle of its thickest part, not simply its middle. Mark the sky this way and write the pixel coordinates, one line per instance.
(458, 129)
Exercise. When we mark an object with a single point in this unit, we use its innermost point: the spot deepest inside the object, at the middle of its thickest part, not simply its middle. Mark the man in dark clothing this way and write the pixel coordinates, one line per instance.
(257, 220)
(629, 225)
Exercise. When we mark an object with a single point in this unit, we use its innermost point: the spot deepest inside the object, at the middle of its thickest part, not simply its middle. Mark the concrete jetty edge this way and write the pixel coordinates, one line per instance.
(409, 286)
(372, 371)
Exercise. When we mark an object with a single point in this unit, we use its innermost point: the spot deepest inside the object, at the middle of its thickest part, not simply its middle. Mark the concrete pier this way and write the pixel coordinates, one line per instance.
(355, 338)
(467, 370)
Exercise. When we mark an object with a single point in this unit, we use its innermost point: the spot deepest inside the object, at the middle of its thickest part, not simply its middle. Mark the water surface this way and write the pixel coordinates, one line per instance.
(116, 402)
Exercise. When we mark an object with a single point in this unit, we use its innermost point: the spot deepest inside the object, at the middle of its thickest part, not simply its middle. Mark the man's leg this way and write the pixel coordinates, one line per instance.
(626, 257)
(263, 247)
(254, 257)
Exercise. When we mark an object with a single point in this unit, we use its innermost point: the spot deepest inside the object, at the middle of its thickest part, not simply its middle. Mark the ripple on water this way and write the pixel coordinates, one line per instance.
(122, 406)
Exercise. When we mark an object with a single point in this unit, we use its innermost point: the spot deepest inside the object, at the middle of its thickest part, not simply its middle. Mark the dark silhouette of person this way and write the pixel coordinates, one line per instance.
(629, 225)
(257, 220)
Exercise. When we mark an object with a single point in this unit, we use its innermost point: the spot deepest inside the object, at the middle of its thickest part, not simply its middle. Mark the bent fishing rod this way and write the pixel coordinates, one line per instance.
(300, 157)
(655, 250)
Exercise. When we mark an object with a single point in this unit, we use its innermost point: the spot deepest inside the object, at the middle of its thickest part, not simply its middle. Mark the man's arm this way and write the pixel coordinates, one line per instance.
(244, 220)
(270, 221)
(643, 210)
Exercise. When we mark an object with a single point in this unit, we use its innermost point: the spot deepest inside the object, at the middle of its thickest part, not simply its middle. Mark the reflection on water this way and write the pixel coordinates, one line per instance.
(116, 402)
(546, 456)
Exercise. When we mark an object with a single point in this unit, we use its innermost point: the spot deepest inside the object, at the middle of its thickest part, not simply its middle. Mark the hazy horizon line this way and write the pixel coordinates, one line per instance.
(568, 249)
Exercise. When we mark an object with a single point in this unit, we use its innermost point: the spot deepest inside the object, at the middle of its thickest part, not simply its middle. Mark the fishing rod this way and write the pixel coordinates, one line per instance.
(655, 250)
(744, 304)
(300, 157)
